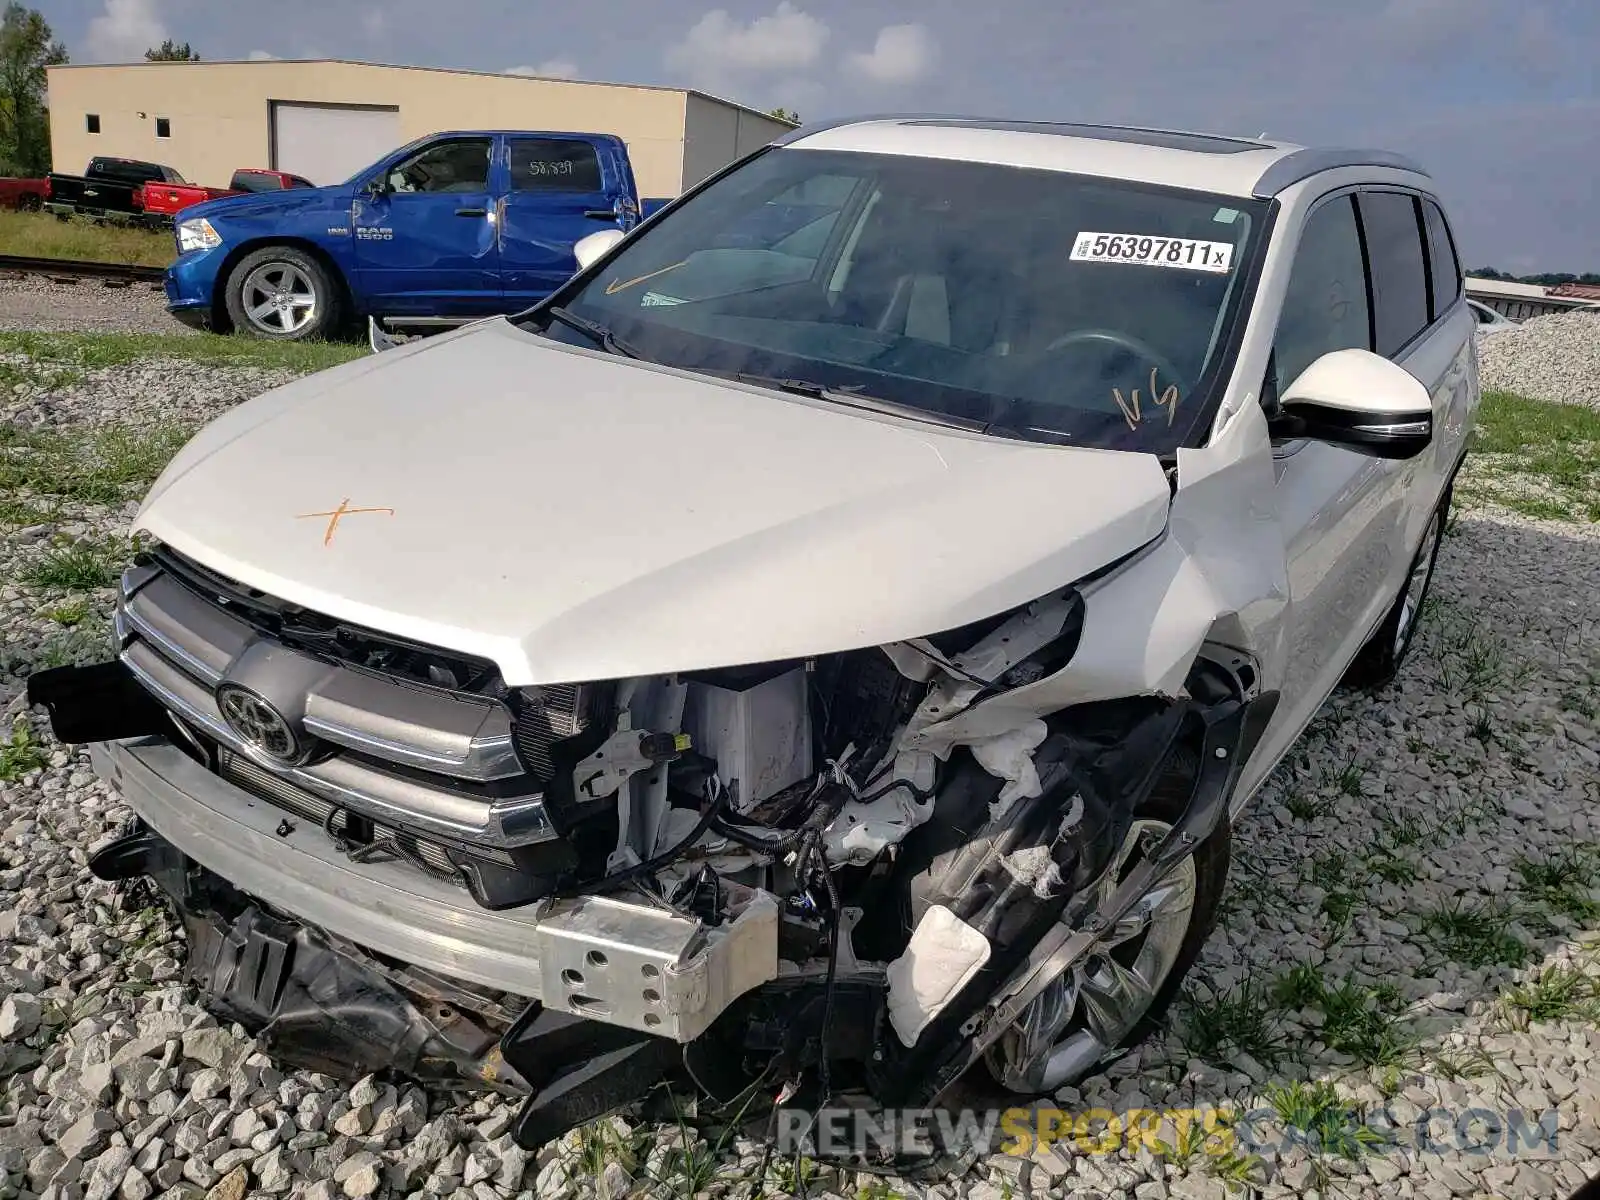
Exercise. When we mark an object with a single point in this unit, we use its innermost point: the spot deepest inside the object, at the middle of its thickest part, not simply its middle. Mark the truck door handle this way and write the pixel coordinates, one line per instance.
(600, 214)
(472, 212)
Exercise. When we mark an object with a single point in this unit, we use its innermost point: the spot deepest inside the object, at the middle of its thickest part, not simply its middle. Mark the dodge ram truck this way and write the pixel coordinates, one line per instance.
(450, 227)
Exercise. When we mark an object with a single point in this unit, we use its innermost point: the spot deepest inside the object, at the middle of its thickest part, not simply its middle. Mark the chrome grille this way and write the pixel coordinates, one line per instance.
(404, 755)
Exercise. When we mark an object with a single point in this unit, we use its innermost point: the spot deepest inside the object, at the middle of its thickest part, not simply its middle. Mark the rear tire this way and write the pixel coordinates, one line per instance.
(1379, 661)
(31, 203)
(282, 294)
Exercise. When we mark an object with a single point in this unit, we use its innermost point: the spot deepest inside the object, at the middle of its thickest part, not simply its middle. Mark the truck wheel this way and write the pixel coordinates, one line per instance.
(282, 294)
(30, 203)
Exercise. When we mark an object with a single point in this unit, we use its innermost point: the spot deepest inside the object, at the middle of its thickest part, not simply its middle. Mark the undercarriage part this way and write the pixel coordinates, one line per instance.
(578, 1070)
(312, 1000)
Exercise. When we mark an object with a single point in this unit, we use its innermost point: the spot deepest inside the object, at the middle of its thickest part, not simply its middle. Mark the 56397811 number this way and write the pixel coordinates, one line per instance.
(1153, 250)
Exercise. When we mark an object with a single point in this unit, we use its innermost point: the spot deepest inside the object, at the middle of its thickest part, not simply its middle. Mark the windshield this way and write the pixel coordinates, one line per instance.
(1047, 305)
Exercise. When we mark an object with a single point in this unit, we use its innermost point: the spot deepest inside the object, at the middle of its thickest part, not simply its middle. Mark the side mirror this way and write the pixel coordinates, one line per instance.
(377, 188)
(591, 249)
(1358, 400)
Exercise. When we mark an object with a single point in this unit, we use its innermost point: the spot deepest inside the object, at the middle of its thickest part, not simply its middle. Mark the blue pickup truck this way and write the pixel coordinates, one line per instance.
(450, 227)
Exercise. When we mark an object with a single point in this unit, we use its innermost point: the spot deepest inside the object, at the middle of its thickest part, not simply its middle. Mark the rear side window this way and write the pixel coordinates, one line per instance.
(1325, 307)
(1445, 266)
(554, 165)
(1399, 269)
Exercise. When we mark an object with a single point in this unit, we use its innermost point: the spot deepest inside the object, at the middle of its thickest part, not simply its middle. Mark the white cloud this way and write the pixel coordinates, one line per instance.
(261, 56)
(902, 54)
(125, 30)
(551, 68)
(718, 46)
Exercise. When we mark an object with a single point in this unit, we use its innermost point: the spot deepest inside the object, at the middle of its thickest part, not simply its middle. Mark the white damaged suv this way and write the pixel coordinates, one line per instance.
(827, 641)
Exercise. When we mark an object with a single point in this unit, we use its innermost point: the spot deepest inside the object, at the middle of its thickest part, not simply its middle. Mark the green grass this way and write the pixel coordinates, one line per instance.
(92, 466)
(1359, 1021)
(23, 512)
(1329, 1123)
(81, 567)
(1243, 1019)
(1475, 934)
(83, 351)
(20, 753)
(42, 235)
(1558, 445)
(69, 613)
(1556, 994)
(1562, 884)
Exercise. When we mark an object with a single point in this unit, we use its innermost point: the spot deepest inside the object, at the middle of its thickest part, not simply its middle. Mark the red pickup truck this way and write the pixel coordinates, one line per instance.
(27, 194)
(167, 199)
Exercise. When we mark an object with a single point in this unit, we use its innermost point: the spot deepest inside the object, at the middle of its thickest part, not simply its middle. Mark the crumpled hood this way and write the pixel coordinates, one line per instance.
(573, 515)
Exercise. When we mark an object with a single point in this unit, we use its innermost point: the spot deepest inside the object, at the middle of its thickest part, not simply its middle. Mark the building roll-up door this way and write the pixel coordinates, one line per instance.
(328, 143)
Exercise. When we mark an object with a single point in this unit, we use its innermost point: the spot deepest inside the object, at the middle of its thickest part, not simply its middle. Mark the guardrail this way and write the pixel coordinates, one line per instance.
(76, 269)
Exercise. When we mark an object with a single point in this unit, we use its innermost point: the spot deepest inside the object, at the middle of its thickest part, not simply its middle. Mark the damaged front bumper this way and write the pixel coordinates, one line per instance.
(629, 965)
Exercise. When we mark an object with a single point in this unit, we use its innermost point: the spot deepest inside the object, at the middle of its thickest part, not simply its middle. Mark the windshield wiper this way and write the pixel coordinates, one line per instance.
(851, 398)
(607, 340)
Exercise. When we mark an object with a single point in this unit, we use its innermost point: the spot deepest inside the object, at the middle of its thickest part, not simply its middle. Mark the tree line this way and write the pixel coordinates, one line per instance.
(27, 46)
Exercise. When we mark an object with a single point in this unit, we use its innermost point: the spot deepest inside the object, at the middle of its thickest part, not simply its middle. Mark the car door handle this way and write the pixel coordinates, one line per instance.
(472, 212)
(600, 214)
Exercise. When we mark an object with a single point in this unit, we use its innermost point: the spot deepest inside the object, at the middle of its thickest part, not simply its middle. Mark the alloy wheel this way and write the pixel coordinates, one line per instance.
(279, 298)
(1083, 1016)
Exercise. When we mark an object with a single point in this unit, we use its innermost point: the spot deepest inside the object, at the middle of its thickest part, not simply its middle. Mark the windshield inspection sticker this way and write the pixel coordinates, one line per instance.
(1190, 254)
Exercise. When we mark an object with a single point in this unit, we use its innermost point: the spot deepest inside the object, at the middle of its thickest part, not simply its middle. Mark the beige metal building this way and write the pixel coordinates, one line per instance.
(325, 119)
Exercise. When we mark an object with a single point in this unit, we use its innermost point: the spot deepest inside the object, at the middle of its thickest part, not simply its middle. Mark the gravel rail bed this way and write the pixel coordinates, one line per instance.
(33, 302)
(1412, 924)
(1555, 358)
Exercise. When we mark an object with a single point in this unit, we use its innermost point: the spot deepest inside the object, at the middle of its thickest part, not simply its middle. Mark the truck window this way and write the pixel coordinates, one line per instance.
(459, 166)
(554, 165)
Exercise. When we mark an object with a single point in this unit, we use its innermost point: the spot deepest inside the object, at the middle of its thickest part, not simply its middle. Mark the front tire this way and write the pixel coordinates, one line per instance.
(1204, 876)
(282, 294)
(1379, 661)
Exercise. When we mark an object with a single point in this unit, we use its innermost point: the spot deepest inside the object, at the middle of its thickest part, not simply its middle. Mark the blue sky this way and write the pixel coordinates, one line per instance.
(1500, 99)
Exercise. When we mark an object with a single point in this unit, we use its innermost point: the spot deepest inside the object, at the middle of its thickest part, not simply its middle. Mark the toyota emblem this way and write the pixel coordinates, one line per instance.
(261, 727)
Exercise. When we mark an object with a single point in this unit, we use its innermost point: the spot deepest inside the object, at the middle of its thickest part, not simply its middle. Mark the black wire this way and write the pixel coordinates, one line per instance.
(918, 794)
(827, 990)
(663, 859)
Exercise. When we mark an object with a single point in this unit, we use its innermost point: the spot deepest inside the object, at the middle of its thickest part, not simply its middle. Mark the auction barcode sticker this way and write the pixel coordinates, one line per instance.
(1189, 254)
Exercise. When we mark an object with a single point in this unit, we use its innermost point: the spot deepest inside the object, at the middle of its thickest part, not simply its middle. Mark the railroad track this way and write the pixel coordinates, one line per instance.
(66, 268)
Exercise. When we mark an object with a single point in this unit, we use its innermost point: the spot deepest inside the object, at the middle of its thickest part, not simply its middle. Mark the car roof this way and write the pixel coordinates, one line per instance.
(1234, 166)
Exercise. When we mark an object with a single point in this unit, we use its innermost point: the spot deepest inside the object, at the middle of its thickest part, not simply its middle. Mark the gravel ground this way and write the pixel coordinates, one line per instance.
(34, 302)
(1411, 924)
(1553, 358)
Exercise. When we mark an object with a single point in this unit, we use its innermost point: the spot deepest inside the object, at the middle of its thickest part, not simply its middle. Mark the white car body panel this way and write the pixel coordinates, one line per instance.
(597, 518)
